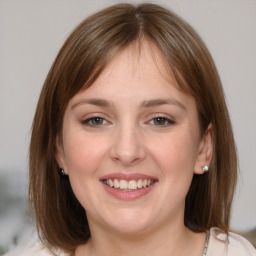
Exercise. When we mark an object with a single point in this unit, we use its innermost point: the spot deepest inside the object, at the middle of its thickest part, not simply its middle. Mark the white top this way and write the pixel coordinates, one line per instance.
(219, 245)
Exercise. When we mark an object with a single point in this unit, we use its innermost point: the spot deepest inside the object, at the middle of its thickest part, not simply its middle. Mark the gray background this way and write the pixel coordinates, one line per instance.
(31, 33)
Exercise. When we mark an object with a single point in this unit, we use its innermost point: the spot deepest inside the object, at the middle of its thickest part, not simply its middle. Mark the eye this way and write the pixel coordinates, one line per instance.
(161, 121)
(95, 121)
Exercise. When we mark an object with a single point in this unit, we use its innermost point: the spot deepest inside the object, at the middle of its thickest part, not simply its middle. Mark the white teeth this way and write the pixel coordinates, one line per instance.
(131, 184)
(116, 183)
(123, 184)
(110, 183)
(139, 183)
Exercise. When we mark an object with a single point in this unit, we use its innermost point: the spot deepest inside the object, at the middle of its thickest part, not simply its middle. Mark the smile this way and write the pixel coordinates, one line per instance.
(128, 185)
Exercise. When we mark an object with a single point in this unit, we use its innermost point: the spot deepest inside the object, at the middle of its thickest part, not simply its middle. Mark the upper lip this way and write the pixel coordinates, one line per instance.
(127, 176)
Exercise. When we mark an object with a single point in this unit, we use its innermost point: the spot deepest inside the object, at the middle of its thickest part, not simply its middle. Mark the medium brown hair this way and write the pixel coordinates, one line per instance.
(61, 220)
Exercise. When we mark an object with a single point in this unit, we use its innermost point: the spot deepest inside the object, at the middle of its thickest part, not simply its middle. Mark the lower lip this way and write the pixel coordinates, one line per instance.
(128, 195)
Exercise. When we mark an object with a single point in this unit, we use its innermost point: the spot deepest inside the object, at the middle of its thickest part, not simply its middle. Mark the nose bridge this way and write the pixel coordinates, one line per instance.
(128, 147)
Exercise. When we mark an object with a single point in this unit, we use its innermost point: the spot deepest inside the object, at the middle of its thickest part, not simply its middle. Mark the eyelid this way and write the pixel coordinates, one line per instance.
(163, 115)
(94, 115)
(170, 120)
(86, 119)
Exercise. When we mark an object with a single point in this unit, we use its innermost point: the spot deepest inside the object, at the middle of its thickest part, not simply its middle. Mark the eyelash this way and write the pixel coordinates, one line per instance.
(167, 121)
(89, 122)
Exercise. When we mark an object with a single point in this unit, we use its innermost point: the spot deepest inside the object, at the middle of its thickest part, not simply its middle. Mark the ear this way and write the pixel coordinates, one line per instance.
(205, 150)
(60, 156)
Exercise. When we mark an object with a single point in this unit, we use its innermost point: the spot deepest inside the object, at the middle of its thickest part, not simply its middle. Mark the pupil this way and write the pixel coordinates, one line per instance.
(160, 120)
(97, 120)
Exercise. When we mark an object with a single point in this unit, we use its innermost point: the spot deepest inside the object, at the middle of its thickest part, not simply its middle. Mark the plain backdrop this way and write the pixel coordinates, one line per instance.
(32, 31)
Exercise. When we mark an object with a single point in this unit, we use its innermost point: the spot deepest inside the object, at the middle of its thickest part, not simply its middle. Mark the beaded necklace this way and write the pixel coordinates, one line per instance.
(206, 243)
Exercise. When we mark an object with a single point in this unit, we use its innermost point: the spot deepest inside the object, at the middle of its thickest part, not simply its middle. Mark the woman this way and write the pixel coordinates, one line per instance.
(133, 116)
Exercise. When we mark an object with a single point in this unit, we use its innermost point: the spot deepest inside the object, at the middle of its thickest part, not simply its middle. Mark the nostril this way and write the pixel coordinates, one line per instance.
(127, 146)
(127, 157)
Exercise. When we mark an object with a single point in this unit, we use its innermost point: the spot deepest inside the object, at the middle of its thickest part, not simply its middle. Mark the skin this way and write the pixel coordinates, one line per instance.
(128, 138)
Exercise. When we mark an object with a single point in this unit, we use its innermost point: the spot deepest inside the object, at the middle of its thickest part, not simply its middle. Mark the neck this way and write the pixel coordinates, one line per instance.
(166, 240)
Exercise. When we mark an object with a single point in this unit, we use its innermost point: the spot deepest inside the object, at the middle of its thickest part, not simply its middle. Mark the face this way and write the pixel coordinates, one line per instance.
(131, 144)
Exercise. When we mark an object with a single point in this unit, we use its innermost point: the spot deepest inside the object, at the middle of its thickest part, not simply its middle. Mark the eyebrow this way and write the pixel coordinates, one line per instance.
(145, 104)
(94, 101)
(159, 102)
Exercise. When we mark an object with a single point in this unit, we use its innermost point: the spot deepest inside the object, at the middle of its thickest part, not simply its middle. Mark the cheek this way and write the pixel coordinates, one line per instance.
(176, 153)
(83, 153)
(175, 157)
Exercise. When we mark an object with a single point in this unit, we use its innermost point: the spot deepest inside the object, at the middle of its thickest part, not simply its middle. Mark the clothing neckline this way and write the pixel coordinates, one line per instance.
(205, 245)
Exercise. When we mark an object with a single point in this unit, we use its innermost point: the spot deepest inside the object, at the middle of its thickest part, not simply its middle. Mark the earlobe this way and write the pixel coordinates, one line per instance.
(59, 155)
(205, 151)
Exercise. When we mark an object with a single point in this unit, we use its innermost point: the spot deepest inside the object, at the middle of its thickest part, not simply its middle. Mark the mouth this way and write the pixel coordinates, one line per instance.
(128, 185)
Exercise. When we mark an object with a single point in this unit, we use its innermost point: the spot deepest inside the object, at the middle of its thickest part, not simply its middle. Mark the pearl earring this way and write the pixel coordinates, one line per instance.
(205, 168)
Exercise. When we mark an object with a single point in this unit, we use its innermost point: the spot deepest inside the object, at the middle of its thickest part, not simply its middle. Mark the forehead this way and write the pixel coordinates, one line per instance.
(141, 60)
(136, 74)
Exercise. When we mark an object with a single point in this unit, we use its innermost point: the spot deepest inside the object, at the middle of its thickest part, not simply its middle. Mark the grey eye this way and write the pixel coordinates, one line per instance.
(94, 121)
(160, 121)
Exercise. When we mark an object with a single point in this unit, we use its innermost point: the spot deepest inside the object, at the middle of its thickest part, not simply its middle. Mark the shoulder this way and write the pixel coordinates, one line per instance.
(33, 248)
(228, 245)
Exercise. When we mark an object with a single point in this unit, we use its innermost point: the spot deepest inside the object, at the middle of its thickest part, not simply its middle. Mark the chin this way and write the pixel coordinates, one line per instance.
(130, 228)
(129, 222)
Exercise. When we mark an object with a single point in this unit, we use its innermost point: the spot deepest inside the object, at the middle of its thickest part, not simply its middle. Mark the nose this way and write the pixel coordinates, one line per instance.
(127, 146)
